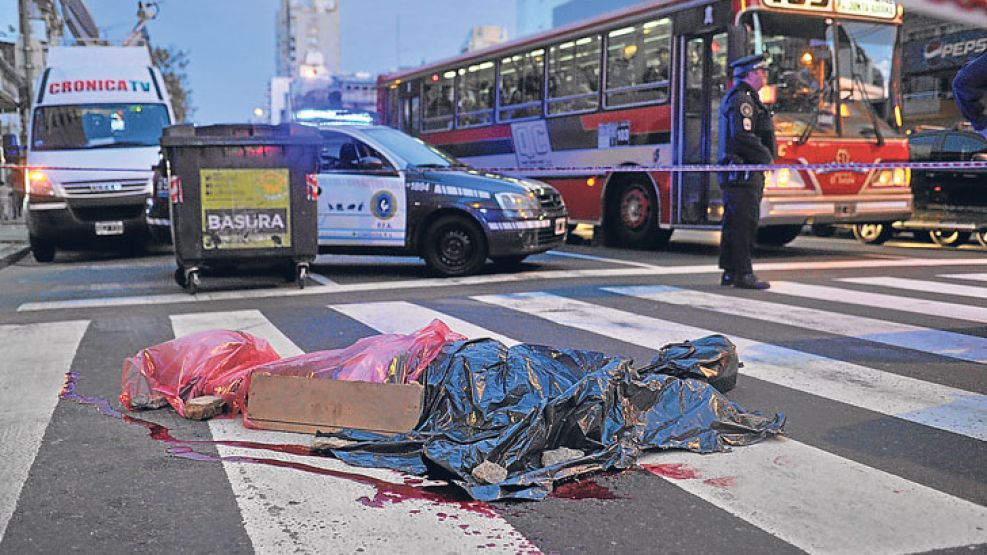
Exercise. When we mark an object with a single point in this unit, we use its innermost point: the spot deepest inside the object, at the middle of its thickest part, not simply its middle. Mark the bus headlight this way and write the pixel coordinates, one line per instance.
(898, 177)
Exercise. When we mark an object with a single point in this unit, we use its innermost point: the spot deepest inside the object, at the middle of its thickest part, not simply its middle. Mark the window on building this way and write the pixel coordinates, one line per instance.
(439, 101)
(521, 85)
(574, 76)
(639, 63)
(476, 94)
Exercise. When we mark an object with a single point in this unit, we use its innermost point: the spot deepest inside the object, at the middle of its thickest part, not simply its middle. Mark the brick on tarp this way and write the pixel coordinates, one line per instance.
(204, 408)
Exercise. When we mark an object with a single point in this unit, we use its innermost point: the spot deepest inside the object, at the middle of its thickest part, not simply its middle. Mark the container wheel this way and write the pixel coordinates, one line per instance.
(193, 282)
(302, 273)
(873, 234)
(454, 246)
(949, 237)
(43, 251)
(180, 276)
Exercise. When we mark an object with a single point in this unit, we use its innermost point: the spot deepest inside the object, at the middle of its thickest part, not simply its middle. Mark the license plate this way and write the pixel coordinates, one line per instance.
(560, 226)
(844, 209)
(109, 228)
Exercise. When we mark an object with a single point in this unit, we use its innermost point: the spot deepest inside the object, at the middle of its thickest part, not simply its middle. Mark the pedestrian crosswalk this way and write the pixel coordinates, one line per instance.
(814, 489)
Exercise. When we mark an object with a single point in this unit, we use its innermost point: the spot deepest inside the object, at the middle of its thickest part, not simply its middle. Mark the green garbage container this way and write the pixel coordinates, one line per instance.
(242, 197)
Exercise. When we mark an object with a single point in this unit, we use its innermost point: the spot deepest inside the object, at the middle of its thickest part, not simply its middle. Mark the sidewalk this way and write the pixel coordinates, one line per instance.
(13, 242)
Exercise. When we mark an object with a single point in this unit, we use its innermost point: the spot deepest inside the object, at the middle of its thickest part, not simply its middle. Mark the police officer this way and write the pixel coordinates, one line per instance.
(746, 137)
(969, 91)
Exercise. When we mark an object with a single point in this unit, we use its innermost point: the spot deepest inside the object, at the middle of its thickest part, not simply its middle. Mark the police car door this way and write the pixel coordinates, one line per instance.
(362, 198)
(701, 57)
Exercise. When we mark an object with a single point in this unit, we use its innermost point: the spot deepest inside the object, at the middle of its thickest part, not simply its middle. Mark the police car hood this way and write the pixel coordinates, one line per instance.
(489, 182)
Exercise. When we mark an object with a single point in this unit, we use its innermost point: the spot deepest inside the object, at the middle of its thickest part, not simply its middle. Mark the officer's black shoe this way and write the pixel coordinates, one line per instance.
(750, 281)
(726, 279)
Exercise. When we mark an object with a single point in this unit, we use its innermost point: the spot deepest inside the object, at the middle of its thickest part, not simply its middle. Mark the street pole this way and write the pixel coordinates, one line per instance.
(24, 7)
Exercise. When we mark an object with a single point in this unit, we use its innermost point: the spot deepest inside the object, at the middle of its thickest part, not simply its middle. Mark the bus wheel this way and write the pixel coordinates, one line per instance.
(43, 251)
(454, 246)
(632, 219)
(873, 234)
(949, 238)
(777, 235)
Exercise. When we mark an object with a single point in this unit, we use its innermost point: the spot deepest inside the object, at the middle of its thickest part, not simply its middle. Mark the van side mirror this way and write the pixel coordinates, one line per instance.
(370, 163)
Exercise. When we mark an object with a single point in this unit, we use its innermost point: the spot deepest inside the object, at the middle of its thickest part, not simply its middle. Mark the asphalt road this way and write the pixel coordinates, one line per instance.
(875, 354)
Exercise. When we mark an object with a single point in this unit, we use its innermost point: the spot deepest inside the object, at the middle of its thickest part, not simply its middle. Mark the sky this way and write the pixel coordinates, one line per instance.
(230, 43)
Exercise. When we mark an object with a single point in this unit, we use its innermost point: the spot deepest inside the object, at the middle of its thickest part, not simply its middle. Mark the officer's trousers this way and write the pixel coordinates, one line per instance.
(741, 213)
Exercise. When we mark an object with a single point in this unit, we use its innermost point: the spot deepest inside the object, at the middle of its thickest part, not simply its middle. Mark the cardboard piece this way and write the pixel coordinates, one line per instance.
(307, 405)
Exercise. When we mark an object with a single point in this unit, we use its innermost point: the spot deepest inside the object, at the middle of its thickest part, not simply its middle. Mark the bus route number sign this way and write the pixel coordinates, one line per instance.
(885, 9)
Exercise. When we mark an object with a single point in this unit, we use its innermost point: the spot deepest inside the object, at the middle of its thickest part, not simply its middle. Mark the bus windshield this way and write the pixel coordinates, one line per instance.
(806, 72)
(88, 126)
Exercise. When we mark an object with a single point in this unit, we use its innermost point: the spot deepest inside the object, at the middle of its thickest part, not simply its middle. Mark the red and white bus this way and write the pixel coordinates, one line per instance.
(642, 87)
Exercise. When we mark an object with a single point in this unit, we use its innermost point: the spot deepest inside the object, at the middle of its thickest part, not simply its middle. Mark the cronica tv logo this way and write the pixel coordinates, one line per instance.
(384, 205)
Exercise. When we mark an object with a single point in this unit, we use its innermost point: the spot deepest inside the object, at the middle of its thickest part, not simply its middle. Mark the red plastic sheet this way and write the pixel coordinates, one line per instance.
(220, 362)
(214, 362)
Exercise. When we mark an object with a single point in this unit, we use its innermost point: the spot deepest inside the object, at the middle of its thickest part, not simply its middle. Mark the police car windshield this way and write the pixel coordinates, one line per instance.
(90, 126)
(803, 81)
(413, 151)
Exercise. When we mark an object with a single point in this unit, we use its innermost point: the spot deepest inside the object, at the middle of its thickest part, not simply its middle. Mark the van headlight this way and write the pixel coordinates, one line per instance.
(517, 201)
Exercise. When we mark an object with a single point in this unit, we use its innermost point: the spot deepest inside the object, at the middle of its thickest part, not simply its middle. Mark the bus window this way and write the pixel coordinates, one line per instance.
(439, 102)
(521, 85)
(574, 76)
(476, 95)
(639, 63)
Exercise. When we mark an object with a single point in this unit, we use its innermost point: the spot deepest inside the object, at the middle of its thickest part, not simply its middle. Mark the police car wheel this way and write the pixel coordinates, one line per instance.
(981, 237)
(454, 246)
(777, 235)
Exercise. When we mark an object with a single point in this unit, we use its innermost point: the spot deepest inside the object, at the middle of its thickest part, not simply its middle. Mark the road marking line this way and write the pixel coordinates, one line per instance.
(288, 511)
(937, 406)
(823, 503)
(801, 508)
(937, 342)
(321, 279)
(581, 256)
(404, 317)
(880, 300)
(35, 358)
(180, 298)
(974, 277)
(922, 285)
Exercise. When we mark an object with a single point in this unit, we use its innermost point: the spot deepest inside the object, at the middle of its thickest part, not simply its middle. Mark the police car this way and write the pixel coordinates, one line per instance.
(384, 192)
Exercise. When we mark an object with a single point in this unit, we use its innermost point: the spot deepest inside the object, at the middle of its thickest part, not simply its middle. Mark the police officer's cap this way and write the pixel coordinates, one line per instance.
(747, 64)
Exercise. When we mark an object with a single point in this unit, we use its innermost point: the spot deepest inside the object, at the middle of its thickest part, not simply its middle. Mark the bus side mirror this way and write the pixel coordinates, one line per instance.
(11, 148)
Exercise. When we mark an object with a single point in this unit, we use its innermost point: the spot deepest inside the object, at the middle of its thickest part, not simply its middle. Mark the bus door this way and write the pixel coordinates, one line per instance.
(702, 84)
(410, 107)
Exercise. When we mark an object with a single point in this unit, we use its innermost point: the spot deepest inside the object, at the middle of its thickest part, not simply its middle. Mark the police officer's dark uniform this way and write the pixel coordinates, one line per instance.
(970, 90)
(746, 137)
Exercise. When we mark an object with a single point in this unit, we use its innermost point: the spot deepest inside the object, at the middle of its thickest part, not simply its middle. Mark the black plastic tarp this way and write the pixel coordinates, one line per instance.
(487, 402)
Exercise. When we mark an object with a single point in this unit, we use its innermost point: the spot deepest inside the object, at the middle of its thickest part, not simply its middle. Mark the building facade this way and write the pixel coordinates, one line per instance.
(483, 36)
(307, 36)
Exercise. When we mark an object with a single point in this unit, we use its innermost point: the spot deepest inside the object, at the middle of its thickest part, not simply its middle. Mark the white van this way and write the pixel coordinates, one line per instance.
(96, 123)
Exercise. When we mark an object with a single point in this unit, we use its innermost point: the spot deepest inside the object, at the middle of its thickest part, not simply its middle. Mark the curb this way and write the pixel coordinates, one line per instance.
(14, 256)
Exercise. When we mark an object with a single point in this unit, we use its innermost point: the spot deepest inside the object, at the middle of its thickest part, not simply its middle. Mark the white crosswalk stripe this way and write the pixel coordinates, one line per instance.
(281, 507)
(784, 503)
(30, 378)
(922, 285)
(937, 342)
(971, 277)
(881, 300)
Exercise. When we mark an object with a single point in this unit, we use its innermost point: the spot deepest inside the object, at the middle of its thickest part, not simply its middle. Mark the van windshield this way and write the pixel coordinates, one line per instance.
(85, 126)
